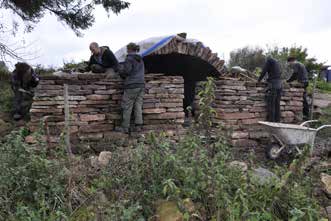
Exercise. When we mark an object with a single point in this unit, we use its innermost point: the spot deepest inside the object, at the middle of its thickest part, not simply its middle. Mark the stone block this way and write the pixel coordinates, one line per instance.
(92, 117)
(234, 116)
(96, 128)
(244, 143)
(287, 114)
(91, 136)
(105, 92)
(97, 97)
(154, 111)
(239, 135)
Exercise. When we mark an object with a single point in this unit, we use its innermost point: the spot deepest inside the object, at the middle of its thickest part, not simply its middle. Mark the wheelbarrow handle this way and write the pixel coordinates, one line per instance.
(309, 121)
(322, 127)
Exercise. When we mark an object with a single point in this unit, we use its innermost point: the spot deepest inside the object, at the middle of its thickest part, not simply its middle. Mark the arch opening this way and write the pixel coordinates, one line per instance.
(191, 68)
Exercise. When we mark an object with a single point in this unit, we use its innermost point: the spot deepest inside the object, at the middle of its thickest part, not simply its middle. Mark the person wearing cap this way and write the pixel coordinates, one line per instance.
(272, 68)
(132, 71)
(101, 59)
(300, 74)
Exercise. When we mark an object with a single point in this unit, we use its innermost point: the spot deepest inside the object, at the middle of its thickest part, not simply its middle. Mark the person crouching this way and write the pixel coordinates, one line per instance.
(24, 80)
(132, 71)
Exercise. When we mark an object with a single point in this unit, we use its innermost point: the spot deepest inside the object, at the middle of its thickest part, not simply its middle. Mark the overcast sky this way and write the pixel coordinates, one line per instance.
(221, 25)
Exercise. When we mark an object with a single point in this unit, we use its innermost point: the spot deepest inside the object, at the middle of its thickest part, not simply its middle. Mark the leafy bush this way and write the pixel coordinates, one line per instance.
(44, 71)
(248, 58)
(301, 53)
(36, 184)
(254, 58)
(139, 178)
(6, 94)
(4, 73)
(32, 187)
(323, 86)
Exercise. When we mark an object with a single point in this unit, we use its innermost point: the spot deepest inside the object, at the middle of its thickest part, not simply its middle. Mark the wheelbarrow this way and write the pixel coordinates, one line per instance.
(290, 136)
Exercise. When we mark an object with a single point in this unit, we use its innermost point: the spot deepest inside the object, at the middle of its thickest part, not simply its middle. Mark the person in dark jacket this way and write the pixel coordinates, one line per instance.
(23, 81)
(132, 71)
(300, 74)
(101, 58)
(188, 101)
(274, 90)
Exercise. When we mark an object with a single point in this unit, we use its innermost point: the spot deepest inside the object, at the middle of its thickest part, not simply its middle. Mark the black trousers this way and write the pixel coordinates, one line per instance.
(305, 110)
(22, 102)
(273, 104)
(189, 97)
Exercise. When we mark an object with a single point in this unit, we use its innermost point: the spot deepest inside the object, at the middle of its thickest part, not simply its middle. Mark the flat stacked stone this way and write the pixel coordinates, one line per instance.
(240, 104)
(196, 49)
(95, 105)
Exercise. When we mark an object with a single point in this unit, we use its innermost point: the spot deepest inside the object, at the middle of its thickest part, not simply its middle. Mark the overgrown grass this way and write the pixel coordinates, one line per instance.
(325, 120)
(321, 86)
(32, 186)
(6, 94)
(35, 186)
(37, 183)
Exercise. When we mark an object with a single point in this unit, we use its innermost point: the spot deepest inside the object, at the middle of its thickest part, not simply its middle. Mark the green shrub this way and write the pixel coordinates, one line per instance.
(321, 86)
(34, 183)
(186, 170)
(324, 86)
(6, 97)
(32, 187)
(5, 75)
(44, 71)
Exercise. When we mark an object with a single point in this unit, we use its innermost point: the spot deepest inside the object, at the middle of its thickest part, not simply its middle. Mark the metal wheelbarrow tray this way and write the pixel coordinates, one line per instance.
(290, 135)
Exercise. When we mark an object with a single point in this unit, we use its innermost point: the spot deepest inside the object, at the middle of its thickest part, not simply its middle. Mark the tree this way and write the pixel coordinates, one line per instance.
(248, 58)
(252, 58)
(301, 54)
(77, 14)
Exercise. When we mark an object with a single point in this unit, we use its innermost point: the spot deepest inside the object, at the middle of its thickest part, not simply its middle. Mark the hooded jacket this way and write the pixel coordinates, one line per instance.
(108, 59)
(274, 73)
(132, 70)
(24, 77)
(300, 73)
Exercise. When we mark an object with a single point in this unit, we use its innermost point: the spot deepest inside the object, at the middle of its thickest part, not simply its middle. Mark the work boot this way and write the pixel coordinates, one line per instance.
(122, 130)
(187, 122)
(137, 128)
(17, 117)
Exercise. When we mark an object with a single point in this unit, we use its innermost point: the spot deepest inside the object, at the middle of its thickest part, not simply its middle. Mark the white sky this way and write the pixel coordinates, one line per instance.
(221, 25)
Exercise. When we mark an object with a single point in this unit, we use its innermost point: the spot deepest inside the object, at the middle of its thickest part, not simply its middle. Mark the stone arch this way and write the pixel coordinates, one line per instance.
(189, 59)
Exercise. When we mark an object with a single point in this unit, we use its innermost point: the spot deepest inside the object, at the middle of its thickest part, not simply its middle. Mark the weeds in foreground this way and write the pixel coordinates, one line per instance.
(34, 186)
(6, 94)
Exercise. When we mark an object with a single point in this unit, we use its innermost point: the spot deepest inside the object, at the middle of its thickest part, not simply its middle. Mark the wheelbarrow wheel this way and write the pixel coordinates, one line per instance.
(273, 151)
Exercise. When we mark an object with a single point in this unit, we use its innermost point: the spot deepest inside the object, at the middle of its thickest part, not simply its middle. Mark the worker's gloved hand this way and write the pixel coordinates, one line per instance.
(96, 68)
(115, 68)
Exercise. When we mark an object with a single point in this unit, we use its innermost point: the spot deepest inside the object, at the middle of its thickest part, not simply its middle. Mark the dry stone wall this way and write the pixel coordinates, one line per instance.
(95, 106)
(241, 104)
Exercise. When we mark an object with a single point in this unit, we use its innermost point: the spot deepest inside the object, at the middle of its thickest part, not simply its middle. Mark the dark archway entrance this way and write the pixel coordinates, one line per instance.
(193, 61)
